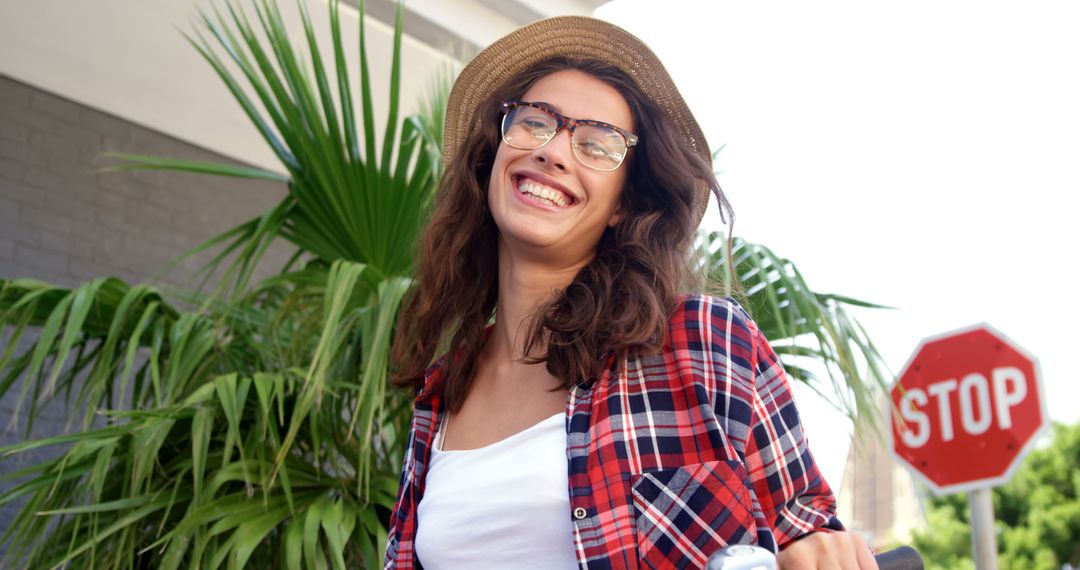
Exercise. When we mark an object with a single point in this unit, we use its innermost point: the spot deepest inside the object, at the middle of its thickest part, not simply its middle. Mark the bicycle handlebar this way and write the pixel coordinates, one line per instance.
(746, 557)
(903, 558)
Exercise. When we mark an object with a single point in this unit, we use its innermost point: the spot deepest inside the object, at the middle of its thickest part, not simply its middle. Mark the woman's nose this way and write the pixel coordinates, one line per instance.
(557, 153)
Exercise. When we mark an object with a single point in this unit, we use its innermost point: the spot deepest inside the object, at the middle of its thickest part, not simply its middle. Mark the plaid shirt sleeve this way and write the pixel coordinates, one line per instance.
(400, 521)
(793, 496)
(401, 532)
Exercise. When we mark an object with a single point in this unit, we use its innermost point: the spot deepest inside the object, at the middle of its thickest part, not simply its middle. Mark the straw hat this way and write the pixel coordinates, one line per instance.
(576, 37)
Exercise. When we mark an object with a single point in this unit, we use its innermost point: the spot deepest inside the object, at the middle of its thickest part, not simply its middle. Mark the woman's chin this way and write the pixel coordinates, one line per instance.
(532, 240)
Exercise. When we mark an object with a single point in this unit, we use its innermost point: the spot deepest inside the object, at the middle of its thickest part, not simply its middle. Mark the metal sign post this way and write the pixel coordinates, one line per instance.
(983, 541)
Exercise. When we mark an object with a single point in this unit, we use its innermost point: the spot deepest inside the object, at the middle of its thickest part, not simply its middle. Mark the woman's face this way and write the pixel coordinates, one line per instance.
(545, 202)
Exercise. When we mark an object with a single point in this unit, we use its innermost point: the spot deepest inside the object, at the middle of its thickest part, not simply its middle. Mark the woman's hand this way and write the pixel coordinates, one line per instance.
(827, 551)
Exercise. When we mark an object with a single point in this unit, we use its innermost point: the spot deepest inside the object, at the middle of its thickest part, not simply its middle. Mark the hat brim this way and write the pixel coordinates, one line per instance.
(575, 37)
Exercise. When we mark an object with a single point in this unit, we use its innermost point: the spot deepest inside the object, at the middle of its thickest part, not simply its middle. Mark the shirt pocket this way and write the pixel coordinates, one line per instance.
(685, 514)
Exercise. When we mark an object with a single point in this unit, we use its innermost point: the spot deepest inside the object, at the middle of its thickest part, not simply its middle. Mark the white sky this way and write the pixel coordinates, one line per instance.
(922, 155)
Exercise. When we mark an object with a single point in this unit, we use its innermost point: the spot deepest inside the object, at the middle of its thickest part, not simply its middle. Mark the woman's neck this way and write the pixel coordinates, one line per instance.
(524, 284)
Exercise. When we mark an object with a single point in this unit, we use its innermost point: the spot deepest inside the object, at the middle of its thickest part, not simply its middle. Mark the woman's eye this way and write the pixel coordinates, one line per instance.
(534, 124)
(593, 148)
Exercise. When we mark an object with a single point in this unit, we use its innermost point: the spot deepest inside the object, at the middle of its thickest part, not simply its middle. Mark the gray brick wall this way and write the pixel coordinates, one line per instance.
(62, 221)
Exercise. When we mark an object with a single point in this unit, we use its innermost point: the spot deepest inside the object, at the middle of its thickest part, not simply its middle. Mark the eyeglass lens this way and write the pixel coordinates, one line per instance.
(596, 146)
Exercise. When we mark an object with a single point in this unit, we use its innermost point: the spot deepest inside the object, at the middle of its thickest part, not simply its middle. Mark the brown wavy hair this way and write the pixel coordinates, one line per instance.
(617, 304)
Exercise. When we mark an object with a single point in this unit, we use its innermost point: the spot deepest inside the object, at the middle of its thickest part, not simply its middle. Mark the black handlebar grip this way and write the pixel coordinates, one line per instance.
(903, 558)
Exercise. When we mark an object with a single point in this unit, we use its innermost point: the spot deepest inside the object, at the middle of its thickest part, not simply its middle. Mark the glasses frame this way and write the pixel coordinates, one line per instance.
(564, 122)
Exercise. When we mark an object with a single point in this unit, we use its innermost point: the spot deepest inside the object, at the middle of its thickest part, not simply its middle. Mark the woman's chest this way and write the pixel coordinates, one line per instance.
(490, 415)
(653, 470)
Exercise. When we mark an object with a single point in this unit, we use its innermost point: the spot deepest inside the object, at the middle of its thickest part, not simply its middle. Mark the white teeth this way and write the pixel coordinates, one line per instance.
(542, 192)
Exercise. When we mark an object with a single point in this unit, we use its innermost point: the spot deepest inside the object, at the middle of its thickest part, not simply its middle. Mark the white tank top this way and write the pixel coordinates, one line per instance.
(505, 505)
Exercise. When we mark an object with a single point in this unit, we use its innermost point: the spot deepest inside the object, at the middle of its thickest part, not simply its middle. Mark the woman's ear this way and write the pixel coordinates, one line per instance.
(616, 216)
(623, 207)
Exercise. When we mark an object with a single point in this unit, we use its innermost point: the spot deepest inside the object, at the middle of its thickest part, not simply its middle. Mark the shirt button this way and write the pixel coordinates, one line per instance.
(579, 513)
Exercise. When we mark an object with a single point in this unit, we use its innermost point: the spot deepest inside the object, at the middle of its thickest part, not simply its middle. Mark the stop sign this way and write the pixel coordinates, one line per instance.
(967, 407)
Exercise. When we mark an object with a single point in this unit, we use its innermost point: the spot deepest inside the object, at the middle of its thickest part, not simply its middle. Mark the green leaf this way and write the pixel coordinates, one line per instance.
(293, 545)
(312, 521)
(143, 162)
(121, 504)
(334, 529)
(251, 533)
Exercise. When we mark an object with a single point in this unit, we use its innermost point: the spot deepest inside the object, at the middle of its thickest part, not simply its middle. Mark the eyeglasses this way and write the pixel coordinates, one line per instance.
(597, 145)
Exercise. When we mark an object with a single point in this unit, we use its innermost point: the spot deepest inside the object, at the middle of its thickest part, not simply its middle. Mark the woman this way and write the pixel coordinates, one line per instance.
(602, 420)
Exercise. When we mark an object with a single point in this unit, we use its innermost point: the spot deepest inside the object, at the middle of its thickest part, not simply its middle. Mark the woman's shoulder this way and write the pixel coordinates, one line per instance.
(710, 324)
(696, 310)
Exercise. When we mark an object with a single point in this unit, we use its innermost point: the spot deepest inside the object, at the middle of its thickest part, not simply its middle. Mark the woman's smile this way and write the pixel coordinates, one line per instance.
(537, 189)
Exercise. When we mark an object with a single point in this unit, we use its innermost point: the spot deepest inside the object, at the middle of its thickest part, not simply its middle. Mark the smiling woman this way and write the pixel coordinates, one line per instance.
(588, 414)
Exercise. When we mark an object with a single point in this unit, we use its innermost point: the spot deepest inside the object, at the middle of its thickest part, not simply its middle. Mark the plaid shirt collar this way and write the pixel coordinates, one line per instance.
(673, 457)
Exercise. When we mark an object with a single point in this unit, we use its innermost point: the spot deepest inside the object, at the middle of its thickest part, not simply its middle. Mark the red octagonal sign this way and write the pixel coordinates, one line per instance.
(967, 407)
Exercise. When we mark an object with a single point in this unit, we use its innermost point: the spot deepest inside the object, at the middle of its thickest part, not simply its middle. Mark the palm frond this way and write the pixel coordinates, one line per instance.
(143, 162)
(362, 205)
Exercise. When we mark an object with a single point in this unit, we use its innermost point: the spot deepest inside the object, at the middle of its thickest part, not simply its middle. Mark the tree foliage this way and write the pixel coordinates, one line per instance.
(1037, 514)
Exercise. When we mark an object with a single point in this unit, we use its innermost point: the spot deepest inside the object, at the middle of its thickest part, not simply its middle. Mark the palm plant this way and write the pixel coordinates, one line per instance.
(252, 424)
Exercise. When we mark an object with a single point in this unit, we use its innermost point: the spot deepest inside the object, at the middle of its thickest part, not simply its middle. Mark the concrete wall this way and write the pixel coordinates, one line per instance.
(63, 222)
(129, 58)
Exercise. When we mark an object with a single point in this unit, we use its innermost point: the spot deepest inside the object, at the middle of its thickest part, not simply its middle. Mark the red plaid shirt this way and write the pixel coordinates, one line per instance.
(676, 456)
